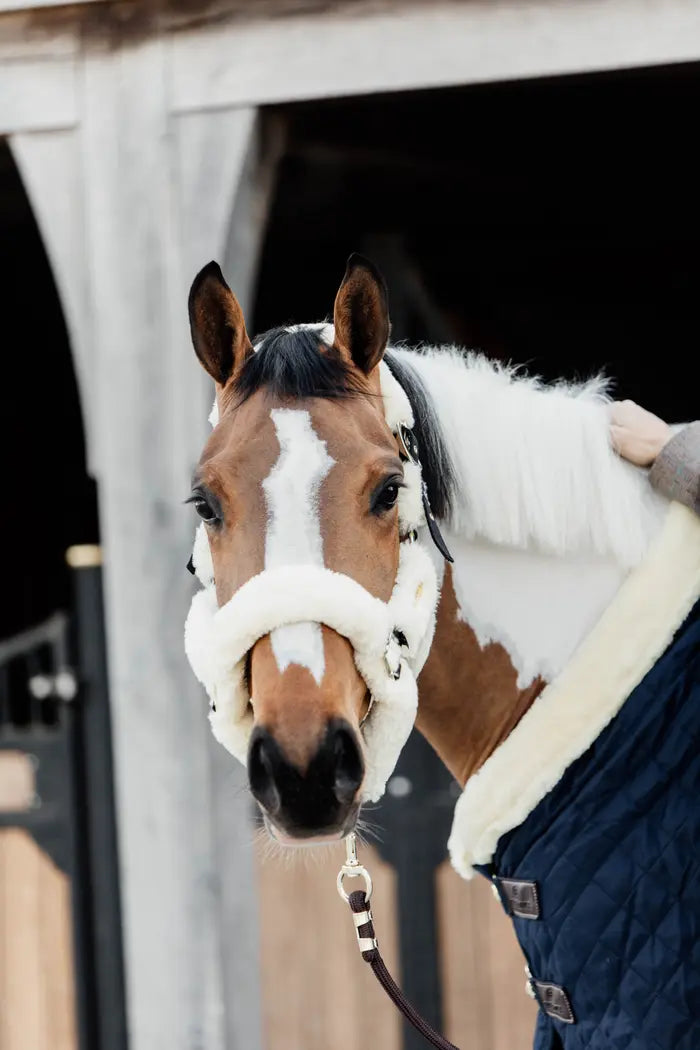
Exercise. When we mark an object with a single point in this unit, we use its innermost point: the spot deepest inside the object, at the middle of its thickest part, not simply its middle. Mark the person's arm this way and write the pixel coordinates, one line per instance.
(646, 440)
(676, 470)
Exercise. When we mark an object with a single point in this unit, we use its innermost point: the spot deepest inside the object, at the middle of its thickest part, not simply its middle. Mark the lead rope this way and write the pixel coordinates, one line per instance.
(369, 949)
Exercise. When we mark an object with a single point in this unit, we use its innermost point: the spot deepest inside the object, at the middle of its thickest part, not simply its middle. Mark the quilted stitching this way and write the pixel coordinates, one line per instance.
(615, 850)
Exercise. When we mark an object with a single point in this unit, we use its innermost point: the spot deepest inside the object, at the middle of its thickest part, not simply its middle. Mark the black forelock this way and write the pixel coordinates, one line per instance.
(296, 363)
(435, 460)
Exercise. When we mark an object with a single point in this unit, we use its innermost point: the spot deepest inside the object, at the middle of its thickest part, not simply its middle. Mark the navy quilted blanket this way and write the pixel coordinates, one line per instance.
(615, 851)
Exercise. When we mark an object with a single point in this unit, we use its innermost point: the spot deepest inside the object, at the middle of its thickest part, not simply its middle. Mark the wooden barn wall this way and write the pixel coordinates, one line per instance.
(317, 992)
(36, 948)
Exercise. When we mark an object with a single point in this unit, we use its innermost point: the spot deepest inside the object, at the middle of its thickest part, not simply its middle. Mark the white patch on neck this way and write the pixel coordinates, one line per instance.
(294, 529)
(537, 607)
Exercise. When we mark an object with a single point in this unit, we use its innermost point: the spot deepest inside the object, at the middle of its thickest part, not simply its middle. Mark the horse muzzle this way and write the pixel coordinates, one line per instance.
(319, 801)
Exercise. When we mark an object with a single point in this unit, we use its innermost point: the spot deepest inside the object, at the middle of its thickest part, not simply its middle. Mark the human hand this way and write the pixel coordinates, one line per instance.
(636, 434)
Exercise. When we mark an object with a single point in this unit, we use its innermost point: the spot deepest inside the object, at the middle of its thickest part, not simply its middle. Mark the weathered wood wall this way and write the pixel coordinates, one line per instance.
(37, 989)
(317, 991)
(483, 969)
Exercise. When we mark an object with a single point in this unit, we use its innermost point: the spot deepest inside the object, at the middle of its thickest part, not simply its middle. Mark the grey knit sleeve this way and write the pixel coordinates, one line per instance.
(676, 471)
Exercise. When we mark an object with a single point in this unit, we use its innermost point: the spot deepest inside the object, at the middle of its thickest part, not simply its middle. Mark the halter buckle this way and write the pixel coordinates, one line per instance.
(392, 653)
(408, 446)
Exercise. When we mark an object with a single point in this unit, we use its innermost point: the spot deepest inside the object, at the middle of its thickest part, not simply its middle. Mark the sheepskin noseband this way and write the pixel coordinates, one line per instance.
(390, 640)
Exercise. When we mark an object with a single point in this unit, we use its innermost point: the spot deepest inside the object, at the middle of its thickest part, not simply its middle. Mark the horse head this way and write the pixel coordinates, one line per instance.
(299, 490)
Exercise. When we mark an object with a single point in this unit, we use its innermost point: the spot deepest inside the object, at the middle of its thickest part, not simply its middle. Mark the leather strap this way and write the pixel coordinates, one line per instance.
(370, 953)
(408, 450)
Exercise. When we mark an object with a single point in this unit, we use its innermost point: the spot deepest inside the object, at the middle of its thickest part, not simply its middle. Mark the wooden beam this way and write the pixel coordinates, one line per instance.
(211, 154)
(152, 182)
(23, 36)
(251, 209)
(33, 5)
(322, 55)
(37, 94)
(145, 373)
(217, 155)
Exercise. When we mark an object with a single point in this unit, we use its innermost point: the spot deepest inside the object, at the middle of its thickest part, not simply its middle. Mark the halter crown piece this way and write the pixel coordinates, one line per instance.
(390, 640)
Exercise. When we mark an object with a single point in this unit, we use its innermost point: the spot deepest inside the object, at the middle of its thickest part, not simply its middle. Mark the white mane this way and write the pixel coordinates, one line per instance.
(534, 463)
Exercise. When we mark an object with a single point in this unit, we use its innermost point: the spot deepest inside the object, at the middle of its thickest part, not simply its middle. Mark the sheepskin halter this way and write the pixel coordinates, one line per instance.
(390, 640)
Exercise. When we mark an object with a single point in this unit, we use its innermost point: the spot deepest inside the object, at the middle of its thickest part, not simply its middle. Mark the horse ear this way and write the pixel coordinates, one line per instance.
(361, 314)
(216, 322)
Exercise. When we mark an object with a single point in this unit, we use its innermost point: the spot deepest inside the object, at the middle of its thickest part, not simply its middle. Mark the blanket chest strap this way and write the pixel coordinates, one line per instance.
(553, 1000)
(519, 897)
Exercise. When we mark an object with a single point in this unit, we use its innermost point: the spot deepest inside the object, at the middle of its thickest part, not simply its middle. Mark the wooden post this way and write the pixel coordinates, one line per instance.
(135, 199)
(151, 397)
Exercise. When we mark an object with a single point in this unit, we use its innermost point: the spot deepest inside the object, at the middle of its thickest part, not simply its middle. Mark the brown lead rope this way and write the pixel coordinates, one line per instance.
(365, 932)
(367, 943)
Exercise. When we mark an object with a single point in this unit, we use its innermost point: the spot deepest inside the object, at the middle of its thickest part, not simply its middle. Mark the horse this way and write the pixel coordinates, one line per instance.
(394, 536)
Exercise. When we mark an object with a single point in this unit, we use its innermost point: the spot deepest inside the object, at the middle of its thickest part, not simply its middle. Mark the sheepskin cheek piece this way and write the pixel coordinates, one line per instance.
(217, 640)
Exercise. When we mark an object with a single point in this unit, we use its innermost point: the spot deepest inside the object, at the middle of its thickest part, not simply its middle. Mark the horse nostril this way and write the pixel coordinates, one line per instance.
(348, 765)
(261, 771)
(306, 801)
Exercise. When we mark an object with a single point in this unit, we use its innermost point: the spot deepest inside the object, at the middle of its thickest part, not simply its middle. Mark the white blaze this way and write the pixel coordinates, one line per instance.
(293, 528)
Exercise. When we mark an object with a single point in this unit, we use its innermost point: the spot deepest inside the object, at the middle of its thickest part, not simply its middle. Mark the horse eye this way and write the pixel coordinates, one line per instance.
(386, 499)
(204, 509)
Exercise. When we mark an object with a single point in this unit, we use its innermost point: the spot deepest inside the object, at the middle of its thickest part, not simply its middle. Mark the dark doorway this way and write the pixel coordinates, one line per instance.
(553, 222)
(48, 500)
